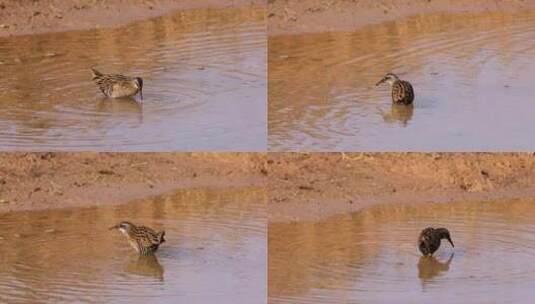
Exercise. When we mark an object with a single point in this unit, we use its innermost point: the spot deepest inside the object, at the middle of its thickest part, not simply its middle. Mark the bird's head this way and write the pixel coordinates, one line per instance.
(124, 226)
(138, 82)
(389, 78)
(445, 234)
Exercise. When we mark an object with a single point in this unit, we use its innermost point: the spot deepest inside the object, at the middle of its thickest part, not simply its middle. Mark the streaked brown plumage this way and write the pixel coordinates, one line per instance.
(143, 239)
(117, 86)
(429, 239)
(402, 92)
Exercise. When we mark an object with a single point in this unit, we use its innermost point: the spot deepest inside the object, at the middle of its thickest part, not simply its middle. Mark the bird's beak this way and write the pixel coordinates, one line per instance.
(114, 227)
(380, 81)
(449, 239)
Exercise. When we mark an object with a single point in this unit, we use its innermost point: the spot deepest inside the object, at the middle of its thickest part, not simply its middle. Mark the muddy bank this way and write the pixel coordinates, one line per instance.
(297, 17)
(44, 16)
(33, 181)
(319, 185)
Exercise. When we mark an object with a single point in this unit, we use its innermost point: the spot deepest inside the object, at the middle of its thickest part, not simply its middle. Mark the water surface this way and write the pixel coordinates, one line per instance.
(204, 77)
(215, 252)
(372, 256)
(472, 75)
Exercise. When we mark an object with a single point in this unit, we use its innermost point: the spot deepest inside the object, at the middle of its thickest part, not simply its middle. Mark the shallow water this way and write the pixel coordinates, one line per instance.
(204, 88)
(215, 251)
(472, 75)
(372, 256)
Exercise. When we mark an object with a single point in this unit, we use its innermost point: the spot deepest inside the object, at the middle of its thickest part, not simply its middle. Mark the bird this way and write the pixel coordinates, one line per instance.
(402, 92)
(117, 86)
(429, 240)
(143, 239)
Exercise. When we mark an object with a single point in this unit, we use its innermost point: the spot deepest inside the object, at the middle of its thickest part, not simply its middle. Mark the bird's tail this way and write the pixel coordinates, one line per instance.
(96, 73)
(161, 235)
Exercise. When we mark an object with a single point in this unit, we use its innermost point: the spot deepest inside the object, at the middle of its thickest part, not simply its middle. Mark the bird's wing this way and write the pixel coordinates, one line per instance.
(409, 92)
(119, 78)
(148, 236)
(397, 91)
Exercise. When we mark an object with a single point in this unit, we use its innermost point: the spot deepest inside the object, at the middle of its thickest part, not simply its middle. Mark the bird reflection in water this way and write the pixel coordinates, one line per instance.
(123, 104)
(147, 266)
(429, 267)
(399, 113)
(123, 108)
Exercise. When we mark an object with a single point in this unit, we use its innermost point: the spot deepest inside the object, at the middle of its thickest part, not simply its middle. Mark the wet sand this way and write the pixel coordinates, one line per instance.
(287, 17)
(45, 16)
(311, 187)
(36, 181)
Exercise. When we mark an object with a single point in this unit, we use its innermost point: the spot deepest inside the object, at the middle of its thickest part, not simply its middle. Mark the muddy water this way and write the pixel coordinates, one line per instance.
(204, 86)
(371, 256)
(472, 75)
(215, 251)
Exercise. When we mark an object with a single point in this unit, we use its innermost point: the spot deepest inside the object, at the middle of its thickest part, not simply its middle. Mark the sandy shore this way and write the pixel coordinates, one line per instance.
(319, 185)
(305, 16)
(44, 16)
(300, 186)
(34, 181)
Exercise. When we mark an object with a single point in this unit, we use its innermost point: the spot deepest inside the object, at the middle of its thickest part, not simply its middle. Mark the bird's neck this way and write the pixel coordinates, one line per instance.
(391, 82)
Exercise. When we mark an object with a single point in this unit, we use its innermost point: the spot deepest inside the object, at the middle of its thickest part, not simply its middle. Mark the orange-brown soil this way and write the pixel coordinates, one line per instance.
(296, 17)
(318, 185)
(43, 16)
(32, 181)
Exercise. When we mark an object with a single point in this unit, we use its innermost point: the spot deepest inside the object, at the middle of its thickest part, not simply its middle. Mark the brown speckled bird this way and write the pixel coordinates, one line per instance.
(143, 239)
(402, 92)
(117, 86)
(429, 239)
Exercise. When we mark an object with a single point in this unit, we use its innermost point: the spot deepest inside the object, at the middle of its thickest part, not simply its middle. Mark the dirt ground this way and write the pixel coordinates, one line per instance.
(33, 181)
(43, 16)
(318, 185)
(300, 186)
(297, 17)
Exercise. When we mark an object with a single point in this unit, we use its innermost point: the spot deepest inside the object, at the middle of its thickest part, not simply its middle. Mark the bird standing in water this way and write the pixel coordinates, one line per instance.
(402, 92)
(117, 86)
(143, 239)
(429, 240)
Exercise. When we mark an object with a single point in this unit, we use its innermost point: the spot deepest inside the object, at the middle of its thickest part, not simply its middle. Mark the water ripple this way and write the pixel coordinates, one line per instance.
(194, 64)
(372, 256)
(462, 65)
